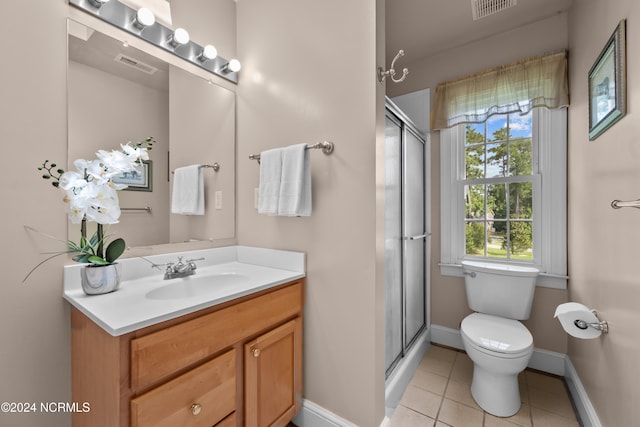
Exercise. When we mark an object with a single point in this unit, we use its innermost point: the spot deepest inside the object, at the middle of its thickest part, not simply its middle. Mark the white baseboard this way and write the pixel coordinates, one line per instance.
(312, 415)
(446, 336)
(585, 409)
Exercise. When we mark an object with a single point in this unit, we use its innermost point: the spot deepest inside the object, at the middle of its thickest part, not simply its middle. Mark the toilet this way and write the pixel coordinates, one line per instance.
(498, 344)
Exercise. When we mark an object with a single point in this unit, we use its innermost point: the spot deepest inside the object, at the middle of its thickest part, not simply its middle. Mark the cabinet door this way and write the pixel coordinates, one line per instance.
(273, 376)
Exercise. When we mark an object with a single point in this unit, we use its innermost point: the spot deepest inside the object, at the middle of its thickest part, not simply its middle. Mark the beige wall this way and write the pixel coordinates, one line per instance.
(309, 75)
(448, 299)
(34, 319)
(603, 243)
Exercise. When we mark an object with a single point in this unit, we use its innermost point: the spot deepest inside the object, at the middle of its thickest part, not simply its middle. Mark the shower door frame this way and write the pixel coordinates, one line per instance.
(393, 113)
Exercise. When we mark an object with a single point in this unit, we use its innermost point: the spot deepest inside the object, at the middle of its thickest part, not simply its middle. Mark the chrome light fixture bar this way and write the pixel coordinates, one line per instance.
(142, 25)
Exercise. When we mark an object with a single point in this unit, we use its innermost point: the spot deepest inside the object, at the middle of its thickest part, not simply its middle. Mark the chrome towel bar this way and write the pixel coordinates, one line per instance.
(146, 209)
(215, 167)
(618, 204)
(325, 146)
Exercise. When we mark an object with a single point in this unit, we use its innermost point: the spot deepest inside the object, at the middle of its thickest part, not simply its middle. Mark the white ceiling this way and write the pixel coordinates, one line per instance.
(425, 27)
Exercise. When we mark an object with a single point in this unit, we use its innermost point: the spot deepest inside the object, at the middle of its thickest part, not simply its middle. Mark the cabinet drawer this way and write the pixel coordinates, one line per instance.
(157, 356)
(203, 396)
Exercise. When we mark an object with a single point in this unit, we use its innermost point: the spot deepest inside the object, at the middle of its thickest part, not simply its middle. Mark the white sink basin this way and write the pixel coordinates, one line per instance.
(145, 299)
(196, 286)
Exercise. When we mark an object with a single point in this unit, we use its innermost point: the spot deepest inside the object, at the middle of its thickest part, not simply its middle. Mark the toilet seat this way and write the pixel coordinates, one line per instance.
(497, 336)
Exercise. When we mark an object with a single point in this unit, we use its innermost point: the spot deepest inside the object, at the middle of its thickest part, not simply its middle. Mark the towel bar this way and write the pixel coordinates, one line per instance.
(325, 146)
(215, 167)
(617, 204)
(145, 209)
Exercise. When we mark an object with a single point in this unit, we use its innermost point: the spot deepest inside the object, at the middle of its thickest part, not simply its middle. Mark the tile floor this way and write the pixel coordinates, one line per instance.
(439, 396)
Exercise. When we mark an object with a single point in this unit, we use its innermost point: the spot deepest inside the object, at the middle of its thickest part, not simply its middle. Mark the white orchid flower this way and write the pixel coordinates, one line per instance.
(76, 206)
(70, 180)
(104, 206)
(135, 153)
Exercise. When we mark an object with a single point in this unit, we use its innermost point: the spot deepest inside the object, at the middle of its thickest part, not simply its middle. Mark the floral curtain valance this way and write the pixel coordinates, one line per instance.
(518, 87)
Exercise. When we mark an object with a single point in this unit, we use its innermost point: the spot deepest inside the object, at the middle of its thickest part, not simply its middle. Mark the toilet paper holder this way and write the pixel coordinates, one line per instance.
(601, 325)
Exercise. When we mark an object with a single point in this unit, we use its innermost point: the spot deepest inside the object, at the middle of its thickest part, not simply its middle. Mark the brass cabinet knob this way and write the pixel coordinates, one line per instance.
(255, 352)
(196, 408)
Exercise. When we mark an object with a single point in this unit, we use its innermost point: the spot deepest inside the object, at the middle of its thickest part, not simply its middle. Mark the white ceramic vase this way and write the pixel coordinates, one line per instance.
(100, 279)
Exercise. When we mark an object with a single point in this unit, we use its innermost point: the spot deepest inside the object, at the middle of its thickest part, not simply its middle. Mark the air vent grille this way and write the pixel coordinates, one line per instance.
(483, 8)
(134, 63)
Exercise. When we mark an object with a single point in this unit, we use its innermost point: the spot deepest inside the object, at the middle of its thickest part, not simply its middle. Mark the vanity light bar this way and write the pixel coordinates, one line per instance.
(140, 24)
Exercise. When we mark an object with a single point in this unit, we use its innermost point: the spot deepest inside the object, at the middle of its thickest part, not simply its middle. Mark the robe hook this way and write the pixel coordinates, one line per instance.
(391, 72)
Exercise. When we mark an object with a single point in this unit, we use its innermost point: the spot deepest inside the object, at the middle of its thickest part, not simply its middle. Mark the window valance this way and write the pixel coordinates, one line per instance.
(517, 87)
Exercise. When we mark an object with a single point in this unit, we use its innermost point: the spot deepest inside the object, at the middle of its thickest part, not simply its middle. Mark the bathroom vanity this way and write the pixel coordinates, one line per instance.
(228, 355)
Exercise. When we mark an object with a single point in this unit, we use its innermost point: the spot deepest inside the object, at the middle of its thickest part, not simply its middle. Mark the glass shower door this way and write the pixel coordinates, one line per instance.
(413, 219)
(393, 244)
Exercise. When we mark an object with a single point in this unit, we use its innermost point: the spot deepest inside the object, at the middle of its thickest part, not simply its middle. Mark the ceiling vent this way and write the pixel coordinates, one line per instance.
(483, 8)
(134, 63)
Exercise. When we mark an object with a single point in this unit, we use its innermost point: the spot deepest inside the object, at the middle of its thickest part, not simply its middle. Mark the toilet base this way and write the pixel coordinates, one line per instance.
(498, 394)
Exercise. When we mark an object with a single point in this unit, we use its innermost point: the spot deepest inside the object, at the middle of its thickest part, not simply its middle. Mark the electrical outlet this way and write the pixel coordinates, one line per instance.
(218, 199)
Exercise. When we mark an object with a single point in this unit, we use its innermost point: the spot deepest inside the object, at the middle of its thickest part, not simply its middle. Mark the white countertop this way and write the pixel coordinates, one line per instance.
(144, 298)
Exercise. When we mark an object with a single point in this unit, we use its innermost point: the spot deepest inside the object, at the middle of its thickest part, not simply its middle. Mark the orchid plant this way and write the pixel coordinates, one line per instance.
(91, 195)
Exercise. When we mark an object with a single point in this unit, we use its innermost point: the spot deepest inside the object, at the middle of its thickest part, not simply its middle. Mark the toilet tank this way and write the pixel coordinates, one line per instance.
(500, 289)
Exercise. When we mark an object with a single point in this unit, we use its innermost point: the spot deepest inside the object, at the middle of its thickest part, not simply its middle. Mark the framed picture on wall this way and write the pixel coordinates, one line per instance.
(140, 179)
(608, 84)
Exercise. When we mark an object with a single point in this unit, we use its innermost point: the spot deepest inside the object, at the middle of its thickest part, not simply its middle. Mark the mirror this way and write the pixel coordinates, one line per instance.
(118, 94)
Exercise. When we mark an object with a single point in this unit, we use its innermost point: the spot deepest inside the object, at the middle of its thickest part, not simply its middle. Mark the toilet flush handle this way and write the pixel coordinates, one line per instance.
(471, 274)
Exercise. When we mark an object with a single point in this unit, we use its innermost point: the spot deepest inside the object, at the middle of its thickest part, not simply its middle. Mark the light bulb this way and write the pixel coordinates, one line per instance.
(144, 18)
(179, 37)
(208, 52)
(234, 65)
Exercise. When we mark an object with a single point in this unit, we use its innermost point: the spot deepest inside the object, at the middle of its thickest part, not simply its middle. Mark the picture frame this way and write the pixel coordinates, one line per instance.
(608, 84)
(139, 180)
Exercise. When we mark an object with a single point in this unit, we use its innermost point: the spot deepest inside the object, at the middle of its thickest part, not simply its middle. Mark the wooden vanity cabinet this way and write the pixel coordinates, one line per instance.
(236, 364)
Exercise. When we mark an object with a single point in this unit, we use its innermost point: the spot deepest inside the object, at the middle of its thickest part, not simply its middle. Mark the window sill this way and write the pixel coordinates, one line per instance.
(545, 280)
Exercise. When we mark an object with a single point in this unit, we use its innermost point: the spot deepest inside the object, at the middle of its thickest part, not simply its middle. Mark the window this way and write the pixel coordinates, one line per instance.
(503, 193)
(499, 188)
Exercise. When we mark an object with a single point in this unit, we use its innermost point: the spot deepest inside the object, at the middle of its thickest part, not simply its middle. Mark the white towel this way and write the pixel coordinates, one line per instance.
(188, 191)
(295, 184)
(270, 174)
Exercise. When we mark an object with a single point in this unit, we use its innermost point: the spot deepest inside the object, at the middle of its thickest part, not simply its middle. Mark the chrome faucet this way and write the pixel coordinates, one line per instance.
(181, 269)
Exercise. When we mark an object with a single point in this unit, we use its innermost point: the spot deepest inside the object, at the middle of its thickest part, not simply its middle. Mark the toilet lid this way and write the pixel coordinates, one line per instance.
(496, 333)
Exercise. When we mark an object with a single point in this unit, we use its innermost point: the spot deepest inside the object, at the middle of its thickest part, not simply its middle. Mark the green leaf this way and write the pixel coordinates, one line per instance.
(74, 246)
(115, 249)
(97, 260)
(95, 239)
(82, 258)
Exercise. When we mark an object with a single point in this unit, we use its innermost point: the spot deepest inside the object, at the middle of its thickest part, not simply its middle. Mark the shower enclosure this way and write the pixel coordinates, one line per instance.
(406, 235)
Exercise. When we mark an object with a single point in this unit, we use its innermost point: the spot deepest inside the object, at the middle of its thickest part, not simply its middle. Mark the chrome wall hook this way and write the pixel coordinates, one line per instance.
(391, 72)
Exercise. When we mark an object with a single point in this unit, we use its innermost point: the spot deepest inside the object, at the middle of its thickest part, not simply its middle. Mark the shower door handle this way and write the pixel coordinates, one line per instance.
(418, 237)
